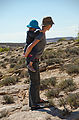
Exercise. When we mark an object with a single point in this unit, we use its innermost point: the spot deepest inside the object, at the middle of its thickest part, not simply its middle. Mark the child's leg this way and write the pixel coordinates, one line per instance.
(30, 65)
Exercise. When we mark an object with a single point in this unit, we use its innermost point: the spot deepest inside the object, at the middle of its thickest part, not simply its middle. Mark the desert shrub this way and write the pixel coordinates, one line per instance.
(62, 102)
(72, 68)
(21, 61)
(77, 40)
(74, 50)
(73, 100)
(1, 74)
(8, 99)
(76, 61)
(6, 59)
(11, 70)
(62, 39)
(67, 85)
(44, 84)
(27, 81)
(12, 65)
(48, 82)
(52, 81)
(51, 102)
(48, 53)
(61, 53)
(48, 118)
(1, 62)
(8, 81)
(9, 53)
(3, 65)
(4, 49)
(53, 61)
(17, 67)
(13, 60)
(23, 74)
(2, 57)
(53, 93)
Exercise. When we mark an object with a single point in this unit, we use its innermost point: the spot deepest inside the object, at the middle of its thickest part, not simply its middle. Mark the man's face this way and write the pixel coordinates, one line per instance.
(48, 27)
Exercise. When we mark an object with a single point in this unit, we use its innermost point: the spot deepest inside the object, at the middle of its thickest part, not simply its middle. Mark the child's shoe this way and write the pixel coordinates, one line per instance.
(31, 68)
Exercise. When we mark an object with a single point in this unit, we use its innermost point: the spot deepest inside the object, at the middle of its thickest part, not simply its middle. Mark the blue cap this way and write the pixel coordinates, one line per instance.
(33, 24)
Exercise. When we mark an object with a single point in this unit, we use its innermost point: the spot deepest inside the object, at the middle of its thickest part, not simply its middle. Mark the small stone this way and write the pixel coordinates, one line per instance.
(25, 108)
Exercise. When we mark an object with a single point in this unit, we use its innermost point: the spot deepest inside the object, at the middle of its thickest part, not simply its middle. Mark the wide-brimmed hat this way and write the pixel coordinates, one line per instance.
(33, 24)
(47, 21)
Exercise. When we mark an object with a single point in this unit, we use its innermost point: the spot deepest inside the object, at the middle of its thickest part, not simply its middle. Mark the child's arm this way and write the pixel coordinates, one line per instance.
(25, 48)
(29, 48)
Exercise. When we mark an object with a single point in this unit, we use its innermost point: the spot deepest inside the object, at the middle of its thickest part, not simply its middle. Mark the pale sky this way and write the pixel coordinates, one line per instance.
(16, 14)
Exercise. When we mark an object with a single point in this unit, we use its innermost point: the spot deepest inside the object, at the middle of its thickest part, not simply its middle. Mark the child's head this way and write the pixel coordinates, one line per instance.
(33, 25)
(31, 29)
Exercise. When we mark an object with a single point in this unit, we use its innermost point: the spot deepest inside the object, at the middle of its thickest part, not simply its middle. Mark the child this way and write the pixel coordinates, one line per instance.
(31, 34)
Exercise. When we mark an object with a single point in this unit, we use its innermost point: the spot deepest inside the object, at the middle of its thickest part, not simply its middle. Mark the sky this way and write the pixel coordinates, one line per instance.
(15, 15)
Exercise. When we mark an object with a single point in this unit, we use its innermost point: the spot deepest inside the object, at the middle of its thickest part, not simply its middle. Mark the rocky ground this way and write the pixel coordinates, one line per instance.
(60, 60)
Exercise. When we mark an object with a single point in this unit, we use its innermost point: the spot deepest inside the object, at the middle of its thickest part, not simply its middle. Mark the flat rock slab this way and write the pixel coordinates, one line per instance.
(12, 89)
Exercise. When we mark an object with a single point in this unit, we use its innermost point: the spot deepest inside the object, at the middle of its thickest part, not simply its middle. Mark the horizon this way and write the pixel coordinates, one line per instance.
(16, 14)
(46, 39)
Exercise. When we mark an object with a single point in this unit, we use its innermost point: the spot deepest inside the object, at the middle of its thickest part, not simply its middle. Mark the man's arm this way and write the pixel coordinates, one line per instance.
(29, 48)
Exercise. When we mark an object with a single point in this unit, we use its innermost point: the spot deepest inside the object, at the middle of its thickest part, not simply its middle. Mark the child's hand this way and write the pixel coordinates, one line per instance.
(23, 54)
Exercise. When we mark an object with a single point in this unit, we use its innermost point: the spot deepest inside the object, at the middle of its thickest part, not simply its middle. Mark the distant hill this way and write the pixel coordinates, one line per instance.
(48, 40)
(57, 38)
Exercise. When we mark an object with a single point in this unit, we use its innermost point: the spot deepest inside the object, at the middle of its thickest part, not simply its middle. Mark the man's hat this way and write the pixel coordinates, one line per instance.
(47, 21)
(33, 24)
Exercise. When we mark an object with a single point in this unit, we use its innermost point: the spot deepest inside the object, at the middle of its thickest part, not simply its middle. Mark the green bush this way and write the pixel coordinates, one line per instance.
(23, 74)
(26, 81)
(1, 74)
(62, 102)
(53, 93)
(77, 40)
(13, 60)
(67, 85)
(8, 99)
(62, 39)
(72, 68)
(12, 65)
(46, 83)
(48, 53)
(3, 65)
(8, 81)
(73, 100)
(74, 50)
(4, 49)
(53, 61)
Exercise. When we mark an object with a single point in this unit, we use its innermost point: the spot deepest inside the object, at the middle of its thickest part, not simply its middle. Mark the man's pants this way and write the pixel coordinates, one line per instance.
(34, 96)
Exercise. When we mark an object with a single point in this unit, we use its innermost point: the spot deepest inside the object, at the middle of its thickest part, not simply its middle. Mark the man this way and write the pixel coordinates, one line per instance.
(37, 47)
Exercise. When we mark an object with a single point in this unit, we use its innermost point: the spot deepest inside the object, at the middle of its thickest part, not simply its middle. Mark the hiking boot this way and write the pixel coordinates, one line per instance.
(36, 107)
(31, 68)
(43, 101)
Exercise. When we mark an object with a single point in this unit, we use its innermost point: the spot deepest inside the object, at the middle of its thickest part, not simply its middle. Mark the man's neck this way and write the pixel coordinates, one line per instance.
(43, 30)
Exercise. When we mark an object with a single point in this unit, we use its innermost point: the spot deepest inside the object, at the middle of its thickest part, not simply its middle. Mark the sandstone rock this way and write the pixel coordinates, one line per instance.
(12, 89)
(25, 108)
(42, 67)
(52, 67)
(6, 109)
